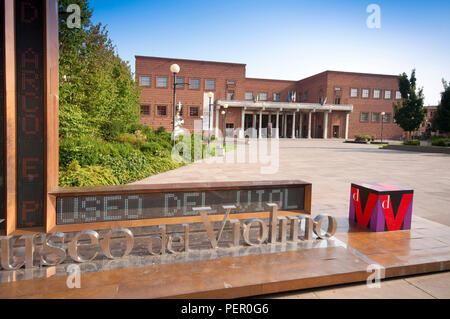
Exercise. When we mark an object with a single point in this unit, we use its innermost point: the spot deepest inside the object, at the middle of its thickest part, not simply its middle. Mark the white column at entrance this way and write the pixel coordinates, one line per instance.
(260, 125)
(347, 122)
(242, 131)
(300, 129)
(254, 124)
(270, 125)
(217, 122)
(309, 124)
(277, 131)
(293, 125)
(284, 125)
(325, 125)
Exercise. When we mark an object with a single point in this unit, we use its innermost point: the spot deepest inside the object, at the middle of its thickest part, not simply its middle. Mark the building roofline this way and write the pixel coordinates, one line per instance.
(325, 73)
(261, 79)
(186, 60)
(361, 73)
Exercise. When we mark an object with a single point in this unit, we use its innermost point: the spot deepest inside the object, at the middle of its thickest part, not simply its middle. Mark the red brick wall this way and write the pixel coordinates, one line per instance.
(257, 86)
(360, 81)
(153, 96)
(315, 87)
(234, 116)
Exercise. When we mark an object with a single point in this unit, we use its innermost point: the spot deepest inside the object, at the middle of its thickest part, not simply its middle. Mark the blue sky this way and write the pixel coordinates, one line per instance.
(287, 39)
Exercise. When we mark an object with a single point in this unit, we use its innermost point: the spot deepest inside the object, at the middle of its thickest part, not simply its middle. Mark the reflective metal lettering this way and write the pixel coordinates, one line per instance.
(73, 245)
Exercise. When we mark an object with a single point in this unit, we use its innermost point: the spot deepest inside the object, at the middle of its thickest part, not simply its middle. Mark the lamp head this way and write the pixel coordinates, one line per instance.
(383, 113)
(210, 95)
(223, 112)
(225, 106)
(175, 68)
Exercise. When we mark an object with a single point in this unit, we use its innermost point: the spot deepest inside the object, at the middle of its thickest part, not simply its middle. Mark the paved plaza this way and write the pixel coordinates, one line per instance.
(331, 166)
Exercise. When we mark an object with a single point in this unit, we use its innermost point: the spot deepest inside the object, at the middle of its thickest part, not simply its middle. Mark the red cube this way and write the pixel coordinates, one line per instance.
(381, 206)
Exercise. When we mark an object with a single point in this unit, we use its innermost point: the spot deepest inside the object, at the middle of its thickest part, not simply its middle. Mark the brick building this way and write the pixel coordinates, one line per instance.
(330, 104)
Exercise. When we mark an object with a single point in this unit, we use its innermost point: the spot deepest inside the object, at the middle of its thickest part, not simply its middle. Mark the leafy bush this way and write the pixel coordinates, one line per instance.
(155, 149)
(440, 141)
(412, 142)
(362, 138)
(77, 176)
(136, 139)
(161, 129)
(85, 150)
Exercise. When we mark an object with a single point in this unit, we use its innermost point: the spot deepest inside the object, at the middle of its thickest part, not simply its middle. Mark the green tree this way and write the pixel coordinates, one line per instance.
(442, 119)
(409, 114)
(98, 95)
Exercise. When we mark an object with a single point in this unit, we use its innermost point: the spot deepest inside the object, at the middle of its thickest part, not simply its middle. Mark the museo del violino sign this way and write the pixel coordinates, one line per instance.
(58, 248)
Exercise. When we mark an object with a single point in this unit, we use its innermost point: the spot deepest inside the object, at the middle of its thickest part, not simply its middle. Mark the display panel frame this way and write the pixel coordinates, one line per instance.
(2, 120)
(50, 113)
(174, 188)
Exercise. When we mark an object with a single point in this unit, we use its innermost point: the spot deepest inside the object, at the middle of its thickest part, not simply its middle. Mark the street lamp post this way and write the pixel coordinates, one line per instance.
(175, 69)
(382, 124)
(210, 95)
(224, 113)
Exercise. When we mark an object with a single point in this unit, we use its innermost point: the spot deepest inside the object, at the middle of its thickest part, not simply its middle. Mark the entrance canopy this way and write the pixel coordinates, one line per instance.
(285, 109)
(287, 106)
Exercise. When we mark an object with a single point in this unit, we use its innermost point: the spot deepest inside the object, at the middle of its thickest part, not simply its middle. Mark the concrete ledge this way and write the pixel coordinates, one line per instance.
(419, 149)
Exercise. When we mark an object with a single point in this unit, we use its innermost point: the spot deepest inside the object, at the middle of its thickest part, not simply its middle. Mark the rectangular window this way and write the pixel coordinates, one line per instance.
(230, 95)
(375, 117)
(387, 94)
(305, 96)
(162, 110)
(193, 112)
(210, 84)
(398, 95)
(376, 94)
(145, 109)
(195, 84)
(180, 80)
(364, 117)
(276, 97)
(249, 95)
(144, 80)
(337, 100)
(263, 96)
(161, 81)
(387, 118)
(365, 93)
(354, 92)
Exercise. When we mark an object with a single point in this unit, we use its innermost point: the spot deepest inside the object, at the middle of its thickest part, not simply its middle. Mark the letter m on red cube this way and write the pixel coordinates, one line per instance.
(381, 206)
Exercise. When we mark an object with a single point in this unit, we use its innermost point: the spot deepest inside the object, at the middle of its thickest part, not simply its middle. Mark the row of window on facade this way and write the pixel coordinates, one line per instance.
(375, 117)
(376, 94)
(163, 82)
(263, 96)
(161, 110)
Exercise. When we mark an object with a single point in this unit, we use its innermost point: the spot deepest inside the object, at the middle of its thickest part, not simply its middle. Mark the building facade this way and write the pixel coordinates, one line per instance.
(330, 104)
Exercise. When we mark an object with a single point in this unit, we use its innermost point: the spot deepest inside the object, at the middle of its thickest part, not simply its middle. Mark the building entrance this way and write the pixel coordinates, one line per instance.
(336, 131)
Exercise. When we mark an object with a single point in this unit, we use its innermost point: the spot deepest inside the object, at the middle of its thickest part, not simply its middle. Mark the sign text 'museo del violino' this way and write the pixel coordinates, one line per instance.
(55, 249)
